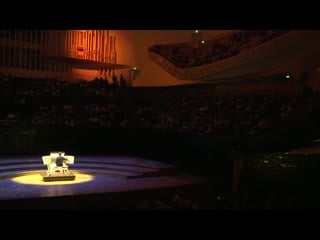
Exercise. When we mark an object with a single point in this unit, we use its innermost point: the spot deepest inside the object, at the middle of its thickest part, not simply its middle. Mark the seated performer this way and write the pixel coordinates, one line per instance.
(57, 164)
(60, 160)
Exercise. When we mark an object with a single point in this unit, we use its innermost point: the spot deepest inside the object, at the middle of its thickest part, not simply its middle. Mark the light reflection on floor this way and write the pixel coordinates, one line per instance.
(104, 174)
(36, 179)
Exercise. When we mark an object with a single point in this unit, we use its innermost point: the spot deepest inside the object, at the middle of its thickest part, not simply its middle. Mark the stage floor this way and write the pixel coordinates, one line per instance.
(21, 177)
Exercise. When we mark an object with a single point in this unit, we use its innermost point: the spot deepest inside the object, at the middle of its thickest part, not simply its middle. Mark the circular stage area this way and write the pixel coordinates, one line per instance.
(37, 179)
(100, 182)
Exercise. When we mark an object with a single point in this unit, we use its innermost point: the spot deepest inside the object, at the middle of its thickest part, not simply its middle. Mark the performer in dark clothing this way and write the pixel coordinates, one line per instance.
(60, 160)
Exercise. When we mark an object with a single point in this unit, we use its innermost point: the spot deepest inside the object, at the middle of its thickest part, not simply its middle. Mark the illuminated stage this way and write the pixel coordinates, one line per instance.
(100, 182)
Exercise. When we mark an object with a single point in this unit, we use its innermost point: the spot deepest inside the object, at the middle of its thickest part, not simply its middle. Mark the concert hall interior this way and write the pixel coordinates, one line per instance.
(159, 119)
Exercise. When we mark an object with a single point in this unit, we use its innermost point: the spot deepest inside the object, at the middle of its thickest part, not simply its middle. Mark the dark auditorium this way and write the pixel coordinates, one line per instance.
(159, 119)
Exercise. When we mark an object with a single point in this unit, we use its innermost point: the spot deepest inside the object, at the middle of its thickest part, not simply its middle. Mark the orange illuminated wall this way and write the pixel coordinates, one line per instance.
(93, 45)
(125, 47)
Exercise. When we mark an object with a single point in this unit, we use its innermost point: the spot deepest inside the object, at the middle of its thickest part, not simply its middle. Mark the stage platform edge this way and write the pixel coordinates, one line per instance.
(65, 177)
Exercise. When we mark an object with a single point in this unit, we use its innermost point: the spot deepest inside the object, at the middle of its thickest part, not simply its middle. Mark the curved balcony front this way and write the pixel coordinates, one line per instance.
(281, 54)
